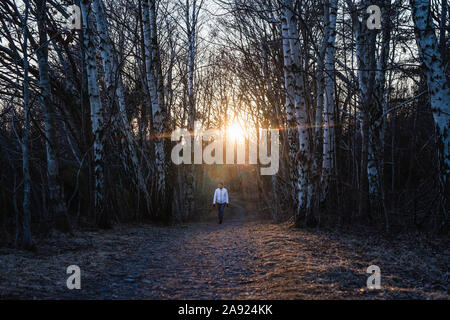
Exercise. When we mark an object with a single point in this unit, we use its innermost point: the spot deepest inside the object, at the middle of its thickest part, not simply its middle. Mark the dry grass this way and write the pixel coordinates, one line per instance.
(243, 258)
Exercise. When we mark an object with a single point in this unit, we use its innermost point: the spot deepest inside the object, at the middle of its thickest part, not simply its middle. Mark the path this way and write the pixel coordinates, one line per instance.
(244, 258)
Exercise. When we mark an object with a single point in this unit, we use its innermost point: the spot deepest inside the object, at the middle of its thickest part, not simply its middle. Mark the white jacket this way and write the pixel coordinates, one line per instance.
(220, 196)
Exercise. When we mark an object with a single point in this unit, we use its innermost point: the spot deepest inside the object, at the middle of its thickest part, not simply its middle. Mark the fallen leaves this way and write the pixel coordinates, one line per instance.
(241, 259)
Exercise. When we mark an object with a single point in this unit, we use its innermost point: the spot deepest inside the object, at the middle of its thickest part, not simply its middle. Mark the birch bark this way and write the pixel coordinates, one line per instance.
(329, 100)
(191, 28)
(26, 214)
(296, 108)
(96, 116)
(111, 69)
(377, 128)
(155, 85)
(365, 55)
(438, 88)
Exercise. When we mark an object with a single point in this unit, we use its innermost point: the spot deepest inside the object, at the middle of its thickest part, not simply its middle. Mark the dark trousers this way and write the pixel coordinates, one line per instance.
(221, 206)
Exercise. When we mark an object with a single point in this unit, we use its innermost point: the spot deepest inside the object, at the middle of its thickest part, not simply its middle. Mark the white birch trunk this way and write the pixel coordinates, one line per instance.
(329, 100)
(191, 28)
(296, 105)
(96, 116)
(104, 45)
(377, 129)
(154, 81)
(438, 88)
(26, 214)
(110, 69)
(290, 111)
(365, 55)
(378, 125)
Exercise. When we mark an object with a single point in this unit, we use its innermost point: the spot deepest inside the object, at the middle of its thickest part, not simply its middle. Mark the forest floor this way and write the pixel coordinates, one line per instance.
(246, 257)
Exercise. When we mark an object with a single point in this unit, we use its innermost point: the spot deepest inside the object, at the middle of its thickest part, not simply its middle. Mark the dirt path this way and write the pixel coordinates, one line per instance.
(244, 258)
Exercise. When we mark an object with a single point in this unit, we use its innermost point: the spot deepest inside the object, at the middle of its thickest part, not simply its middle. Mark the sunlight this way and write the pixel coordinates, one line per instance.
(235, 132)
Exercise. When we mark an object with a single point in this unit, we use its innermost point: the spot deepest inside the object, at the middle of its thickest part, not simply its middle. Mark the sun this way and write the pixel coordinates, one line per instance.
(235, 132)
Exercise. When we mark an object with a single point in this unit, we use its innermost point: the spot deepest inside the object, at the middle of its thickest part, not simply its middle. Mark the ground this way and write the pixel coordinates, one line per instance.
(246, 257)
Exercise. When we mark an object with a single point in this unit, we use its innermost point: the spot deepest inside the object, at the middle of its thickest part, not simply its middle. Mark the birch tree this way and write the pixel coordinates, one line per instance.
(113, 80)
(296, 113)
(438, 88)
(192, 12)
(156, 93)
(26, 214)
(329, 99)
(96, 116)
(377, 129)
(365, 56)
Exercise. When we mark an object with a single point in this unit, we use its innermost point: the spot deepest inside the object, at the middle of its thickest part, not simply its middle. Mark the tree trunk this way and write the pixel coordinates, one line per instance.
(377, 129)
(191, 28)
(329, 116)
(437, 86)
(365, 55)
(57, 205)
(296, 109)
(110, 69)
(101, 215)
(154, 80)
(26, 214)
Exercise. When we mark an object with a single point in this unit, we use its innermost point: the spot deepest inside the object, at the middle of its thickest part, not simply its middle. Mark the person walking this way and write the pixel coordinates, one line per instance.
(220, 199)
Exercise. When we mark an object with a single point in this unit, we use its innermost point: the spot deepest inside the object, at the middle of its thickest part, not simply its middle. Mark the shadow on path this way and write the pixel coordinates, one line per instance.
(246, 257)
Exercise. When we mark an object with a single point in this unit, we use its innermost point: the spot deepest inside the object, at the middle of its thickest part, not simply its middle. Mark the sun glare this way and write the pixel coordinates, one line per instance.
(235, 132)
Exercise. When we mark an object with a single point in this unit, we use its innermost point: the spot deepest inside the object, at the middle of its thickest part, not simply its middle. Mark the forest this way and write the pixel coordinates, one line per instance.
(347, 101)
